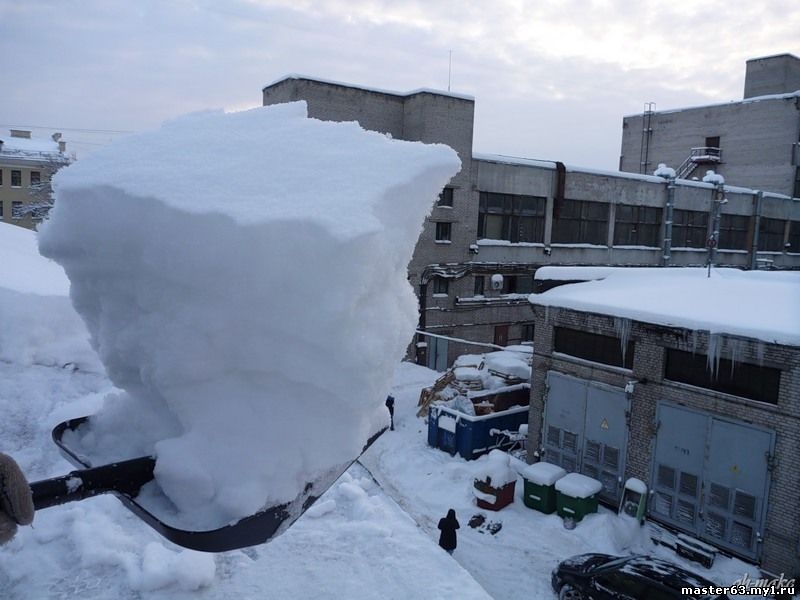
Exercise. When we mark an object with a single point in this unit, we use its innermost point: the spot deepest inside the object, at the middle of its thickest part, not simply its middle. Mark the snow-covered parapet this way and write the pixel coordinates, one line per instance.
(243, 277)
(664, 171)
(713, 178)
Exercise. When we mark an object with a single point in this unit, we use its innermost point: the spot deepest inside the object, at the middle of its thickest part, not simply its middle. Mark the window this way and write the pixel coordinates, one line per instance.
(518, 284)
(480, 283)
(527, 332)
(1, 176)
(796, 182)
(1, 209)
(36, 177)
(511, 217)
(770, 234)
(443, 231)
(740, 379)
(603, 349)
(16, 178)
(445, 197)
(637, 225)
(689, 229)
(581, 222)
(794, 236)
(441, 285)
(733, 232)
(16, 210)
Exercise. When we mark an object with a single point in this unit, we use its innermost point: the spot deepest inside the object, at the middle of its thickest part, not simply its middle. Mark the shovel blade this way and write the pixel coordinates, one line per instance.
(249, 531)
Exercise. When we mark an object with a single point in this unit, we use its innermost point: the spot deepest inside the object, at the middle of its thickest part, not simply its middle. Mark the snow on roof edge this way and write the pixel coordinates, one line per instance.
(370, 88)
(786, 96)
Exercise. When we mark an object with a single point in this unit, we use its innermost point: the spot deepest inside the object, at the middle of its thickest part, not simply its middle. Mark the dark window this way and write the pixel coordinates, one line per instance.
(16, 210)
(581, 222)
(480, 282)
(1, 176)
(511, 217)
(592, 346)
(527, 332)
(712, 142)
(518, 284)
(16, 178)
(441, 285)
(689, 229)
(770, 234)
(443, 231)
(1, 209)
(36, 177)
(445, 197)
(797, 182)
(637, 225)
(733, 232)
(794, 236)
(740, 379)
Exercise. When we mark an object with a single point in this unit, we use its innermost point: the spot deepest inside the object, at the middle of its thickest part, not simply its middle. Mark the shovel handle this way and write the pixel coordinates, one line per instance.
(124, 477)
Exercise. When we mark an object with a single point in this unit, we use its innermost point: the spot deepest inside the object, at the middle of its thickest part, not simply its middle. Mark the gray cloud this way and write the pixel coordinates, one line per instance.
(552, 78)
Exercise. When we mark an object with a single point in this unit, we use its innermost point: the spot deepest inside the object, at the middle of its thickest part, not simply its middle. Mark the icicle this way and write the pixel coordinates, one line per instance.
(714, 353)
(623, 328)
(736, 352)
(547, 314)
(694, 341)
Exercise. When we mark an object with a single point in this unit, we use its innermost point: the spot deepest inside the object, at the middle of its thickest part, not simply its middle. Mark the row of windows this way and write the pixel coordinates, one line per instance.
(16, 178)
(740, 379)
(512, 284)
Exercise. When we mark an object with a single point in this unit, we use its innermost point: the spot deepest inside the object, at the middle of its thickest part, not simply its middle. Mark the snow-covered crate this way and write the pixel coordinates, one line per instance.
(471, 436)
(540, 490)
(577, 496)
(495, 481)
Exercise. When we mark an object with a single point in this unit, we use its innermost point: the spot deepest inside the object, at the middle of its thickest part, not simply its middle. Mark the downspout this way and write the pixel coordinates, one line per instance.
(667, 255)
(758, 198)
(713, 241)
(421, 344)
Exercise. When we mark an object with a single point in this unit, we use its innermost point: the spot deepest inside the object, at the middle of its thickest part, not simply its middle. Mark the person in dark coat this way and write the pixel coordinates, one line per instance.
(448, 526)
(390, 406)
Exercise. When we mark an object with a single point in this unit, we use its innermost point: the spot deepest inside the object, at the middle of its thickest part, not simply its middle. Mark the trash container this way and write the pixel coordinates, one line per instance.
(577, 496)
(539, 486)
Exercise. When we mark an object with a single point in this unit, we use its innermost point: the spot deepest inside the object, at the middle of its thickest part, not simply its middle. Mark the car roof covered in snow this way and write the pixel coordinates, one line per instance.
(763, 305)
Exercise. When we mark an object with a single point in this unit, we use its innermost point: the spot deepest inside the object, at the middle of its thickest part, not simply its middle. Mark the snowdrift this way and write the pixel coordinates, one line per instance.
(243, 278)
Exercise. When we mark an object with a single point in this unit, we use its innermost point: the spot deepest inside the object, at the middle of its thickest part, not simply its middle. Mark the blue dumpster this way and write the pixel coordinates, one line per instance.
(468, 435)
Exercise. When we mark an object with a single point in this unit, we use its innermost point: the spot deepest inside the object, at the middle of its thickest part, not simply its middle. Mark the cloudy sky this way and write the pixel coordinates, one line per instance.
(552, 78)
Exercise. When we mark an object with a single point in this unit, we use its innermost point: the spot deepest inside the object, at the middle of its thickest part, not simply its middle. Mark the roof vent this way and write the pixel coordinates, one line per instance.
(20, 133)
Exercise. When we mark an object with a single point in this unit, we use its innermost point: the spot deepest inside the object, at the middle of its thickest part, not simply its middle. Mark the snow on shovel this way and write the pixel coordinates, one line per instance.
(125, 479)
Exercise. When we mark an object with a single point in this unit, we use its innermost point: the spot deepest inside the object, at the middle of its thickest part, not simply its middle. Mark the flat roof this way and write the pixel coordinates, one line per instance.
(763, 305)
(787, 96)
(372, 89)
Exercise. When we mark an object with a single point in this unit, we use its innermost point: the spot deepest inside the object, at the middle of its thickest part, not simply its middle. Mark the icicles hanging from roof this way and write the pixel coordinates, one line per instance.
(714, 353)
(622, 326)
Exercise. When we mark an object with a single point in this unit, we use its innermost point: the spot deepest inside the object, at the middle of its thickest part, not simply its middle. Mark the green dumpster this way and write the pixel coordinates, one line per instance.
(539, 486)
(577, 496)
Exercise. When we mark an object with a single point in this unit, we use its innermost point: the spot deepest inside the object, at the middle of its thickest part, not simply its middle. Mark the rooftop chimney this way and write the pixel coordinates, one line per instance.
(20, 133)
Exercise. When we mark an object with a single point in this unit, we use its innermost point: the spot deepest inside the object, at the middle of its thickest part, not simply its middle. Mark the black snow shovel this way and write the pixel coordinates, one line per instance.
(124, 479)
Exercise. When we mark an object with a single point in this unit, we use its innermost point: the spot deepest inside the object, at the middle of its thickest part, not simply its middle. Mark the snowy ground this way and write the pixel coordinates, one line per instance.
(359, 541)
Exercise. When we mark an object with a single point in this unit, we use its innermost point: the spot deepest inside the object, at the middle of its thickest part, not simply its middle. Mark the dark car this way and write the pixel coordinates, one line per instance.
(605, 577)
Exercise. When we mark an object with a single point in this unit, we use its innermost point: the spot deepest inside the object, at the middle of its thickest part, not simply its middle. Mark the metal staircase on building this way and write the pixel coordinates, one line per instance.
(704, 155)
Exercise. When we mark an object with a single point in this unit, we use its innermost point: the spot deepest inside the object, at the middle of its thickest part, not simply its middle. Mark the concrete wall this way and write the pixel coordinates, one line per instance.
(756, 138)
(782, 534)
(778, 74)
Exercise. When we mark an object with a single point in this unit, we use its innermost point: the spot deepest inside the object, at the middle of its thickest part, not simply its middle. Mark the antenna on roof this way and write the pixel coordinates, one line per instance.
(449, 69)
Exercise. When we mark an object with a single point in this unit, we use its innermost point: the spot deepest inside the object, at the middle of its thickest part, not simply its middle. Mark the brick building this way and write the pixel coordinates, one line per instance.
(753, 142)
(630, 381)
(501, 217)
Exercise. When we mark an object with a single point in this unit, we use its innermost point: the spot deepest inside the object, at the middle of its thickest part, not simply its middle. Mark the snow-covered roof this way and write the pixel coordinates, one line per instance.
(372, 89)
(29, 148)
(763, 305)
(787, 96)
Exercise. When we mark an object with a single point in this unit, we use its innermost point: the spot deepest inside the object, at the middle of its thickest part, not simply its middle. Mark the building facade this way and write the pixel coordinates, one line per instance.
(720, 453)
(500, 218)
(26, 166)
(754, 142)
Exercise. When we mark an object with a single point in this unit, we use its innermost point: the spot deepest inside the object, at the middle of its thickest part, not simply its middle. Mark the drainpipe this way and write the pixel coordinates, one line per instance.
(421, 344)
(716, 207)
(758, 198)
(667, 254)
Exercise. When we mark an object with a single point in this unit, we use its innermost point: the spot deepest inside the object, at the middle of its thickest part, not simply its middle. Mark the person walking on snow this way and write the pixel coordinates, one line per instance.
(390, 406)
(448, 526)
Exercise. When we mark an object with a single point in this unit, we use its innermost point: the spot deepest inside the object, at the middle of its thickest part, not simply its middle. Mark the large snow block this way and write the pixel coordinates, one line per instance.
(243, 277)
